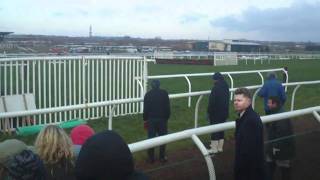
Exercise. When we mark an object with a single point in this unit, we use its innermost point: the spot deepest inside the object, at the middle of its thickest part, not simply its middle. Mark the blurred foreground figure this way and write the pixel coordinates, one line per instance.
(106, 156)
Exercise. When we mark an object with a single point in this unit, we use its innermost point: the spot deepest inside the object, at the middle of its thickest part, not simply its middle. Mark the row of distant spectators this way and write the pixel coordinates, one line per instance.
(56, 156)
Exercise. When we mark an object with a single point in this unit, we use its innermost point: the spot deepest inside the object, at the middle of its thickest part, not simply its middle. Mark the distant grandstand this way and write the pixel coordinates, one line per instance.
(3, 34)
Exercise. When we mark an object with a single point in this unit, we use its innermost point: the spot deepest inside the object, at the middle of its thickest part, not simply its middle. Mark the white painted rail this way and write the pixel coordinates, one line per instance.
(186, 76)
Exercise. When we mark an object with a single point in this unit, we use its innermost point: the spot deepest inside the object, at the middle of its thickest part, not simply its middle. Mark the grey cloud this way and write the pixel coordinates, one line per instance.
(298, 22)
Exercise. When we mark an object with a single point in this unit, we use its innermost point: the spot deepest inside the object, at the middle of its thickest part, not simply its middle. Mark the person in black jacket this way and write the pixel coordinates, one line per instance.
(156, 113)
(280, 149)
(249, 148)
(218, 109)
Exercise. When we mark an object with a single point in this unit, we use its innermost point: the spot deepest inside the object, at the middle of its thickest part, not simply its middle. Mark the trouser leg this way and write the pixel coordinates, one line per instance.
(285, 173)
(151, 134)
(270, 169)
(163, 130)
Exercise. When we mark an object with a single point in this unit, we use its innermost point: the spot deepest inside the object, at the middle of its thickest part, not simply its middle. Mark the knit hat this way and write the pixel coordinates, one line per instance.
(80, 134)
(217, 76)
(104, 155)
(10, 148)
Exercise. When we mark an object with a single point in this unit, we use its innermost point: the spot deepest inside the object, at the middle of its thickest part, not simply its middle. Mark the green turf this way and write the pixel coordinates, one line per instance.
(131, 127)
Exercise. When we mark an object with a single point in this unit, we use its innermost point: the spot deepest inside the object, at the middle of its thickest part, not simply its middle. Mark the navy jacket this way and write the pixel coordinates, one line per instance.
(249, 147)
(218, 107)
(156, 104)
(272, 87)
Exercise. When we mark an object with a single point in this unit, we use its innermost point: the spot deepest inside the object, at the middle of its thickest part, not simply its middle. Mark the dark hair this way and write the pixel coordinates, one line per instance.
(244, 91)
(217, 76)
(276, 100)
(155, 84)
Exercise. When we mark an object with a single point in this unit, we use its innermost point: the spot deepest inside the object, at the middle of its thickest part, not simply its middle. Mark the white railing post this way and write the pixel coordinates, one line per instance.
(196, 112)
(254, 97)
(316, 115)
(262, 79)
(231, 81)
(189, 88)
(206, 155)
(145, 80)
(111, 116)
(293, 96)
(287, 78)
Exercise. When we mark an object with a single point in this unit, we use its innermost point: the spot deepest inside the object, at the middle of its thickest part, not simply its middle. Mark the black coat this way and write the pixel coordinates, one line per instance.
(156, 104)
(218, 107)
(249, 147)
(278, 134)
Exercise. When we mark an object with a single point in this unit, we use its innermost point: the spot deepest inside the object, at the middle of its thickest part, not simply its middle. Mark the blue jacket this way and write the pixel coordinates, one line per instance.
(272, 87)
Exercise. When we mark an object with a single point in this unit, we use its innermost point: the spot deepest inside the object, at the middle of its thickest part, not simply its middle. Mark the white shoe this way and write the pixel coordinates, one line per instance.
(220, 145)
(214, 146)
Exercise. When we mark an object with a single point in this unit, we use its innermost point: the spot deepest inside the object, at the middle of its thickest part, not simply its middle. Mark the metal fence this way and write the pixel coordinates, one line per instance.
(67, 81)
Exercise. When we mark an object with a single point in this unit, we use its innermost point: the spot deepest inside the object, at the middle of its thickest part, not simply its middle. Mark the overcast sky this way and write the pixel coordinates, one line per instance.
(284, 20)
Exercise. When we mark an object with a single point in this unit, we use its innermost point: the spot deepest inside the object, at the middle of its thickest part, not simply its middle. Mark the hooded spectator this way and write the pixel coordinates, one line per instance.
(18, 162)
(218, 109)
(79, 135)
(106, 156)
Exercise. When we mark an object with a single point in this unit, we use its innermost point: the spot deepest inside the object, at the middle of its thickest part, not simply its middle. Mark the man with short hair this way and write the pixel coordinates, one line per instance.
(249, 147)
(281, 146)
(218, 109)
(156, 113)
(272, 87)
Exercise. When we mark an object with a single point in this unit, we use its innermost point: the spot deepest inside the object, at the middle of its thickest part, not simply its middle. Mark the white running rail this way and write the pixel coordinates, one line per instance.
(186, 76)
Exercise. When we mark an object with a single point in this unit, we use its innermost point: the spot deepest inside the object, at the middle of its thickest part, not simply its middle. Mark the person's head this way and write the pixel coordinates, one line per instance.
(80, 134)
(271, 75)
(155, 84)
(18, 162)
(104, 155)
(217, 77)
(274, 103)
(53, 145)
(242, 99)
